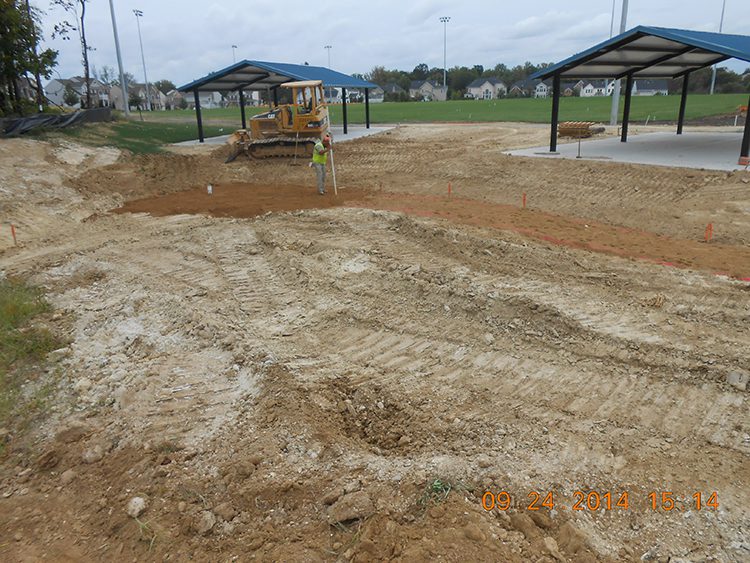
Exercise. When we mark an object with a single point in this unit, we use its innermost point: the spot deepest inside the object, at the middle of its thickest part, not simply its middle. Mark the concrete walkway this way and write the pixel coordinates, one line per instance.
(711, 151)
(355, 132)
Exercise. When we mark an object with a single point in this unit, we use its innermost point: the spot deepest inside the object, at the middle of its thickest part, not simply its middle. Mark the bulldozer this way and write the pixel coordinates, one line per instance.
(286, 130)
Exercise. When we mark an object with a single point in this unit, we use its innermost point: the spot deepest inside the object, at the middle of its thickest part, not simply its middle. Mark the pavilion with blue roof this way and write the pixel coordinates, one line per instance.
(649, 52)
(260, 75)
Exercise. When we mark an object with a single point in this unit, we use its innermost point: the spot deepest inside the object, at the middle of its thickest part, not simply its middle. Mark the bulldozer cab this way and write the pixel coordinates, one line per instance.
(308, 106)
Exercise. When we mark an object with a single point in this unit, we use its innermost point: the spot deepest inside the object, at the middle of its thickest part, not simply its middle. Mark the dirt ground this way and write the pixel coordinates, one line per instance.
(284, 376)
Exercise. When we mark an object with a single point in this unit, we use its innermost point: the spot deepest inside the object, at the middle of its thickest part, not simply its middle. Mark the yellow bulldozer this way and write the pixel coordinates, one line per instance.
(289, 129)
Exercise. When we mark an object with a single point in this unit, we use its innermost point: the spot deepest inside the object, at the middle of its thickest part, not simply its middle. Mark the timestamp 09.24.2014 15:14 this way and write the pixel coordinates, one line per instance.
(666, 501)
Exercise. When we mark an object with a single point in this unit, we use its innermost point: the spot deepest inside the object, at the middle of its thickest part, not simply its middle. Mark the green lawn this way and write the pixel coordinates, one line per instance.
(661, 108)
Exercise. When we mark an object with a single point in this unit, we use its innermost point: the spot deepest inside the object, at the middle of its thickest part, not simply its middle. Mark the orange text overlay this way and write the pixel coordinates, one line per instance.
(662, 501)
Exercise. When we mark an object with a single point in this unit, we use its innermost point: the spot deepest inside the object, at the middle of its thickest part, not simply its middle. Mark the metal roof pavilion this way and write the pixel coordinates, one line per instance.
(649, 52)
(259, 75)
(263, 75)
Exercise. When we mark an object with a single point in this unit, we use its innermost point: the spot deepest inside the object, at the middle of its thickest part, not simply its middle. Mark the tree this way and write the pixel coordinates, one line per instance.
(164, 86)
(134, 100)
(63, 29)
(71, 97)
(106, 76)
(420, 72)
(129, 79)
(19, 39)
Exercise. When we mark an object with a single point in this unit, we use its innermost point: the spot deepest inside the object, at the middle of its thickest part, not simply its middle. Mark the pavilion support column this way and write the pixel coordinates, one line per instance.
(683, 102)
(745, 149)
(626, 108)
(367, 108)
(343, 109)
(198, 115)
(242, 109)
(275, 97)
(555, 112)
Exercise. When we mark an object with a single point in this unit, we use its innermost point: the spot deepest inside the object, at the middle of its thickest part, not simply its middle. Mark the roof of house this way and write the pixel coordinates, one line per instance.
(655, 84)
(417, 84)
(481, 81)
(651, 52)
(524, 84)
(596, 83)
(393, 88)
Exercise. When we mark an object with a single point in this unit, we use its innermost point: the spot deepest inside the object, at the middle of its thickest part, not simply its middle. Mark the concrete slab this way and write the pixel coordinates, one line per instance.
(337, 132)
(695, 149)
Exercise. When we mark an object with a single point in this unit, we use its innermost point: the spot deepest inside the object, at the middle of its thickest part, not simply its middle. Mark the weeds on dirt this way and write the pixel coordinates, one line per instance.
(437, 492)
(147, 533)
(21, 345)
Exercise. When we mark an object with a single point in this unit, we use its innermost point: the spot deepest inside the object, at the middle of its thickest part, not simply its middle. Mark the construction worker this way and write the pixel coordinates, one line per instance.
(319, 159)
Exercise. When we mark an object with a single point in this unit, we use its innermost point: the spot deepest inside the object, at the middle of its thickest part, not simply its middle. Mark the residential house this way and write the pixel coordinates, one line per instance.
(393, 92)
(174, 99)
(595, 88)
(568, 89)
(393, 88)
(542, 89)
(376, 95)
(523, 88)
(650, 87)
(488, 88)
(428, 90)
(158, 99)
(55, 91)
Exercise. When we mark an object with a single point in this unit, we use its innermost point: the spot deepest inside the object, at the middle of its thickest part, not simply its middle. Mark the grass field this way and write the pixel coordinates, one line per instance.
(660, 108)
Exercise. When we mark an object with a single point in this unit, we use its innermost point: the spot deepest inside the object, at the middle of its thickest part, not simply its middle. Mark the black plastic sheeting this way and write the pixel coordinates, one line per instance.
(21, 125)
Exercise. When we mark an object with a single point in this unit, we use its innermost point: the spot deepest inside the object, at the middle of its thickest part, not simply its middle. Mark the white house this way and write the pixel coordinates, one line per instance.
(487, 88)
(428, 90)
(596, 88)
(55, 91)
(542, 90)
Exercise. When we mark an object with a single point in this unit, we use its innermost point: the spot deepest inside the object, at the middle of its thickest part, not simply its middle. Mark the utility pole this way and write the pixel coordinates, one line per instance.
(234, 53)
(138, 16)
(445, 20)
(123, 84)
(616, 94)
(713, 68)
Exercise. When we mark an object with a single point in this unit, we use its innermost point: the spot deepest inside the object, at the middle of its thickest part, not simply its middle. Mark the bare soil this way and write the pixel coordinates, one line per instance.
(284, 376)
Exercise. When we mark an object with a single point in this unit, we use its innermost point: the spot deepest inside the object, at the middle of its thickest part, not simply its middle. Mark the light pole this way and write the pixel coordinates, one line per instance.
(234, 53)
(328, 48)
(328, 92)
(123, 84)
(138, 16)
(713, 69)
(444, 20)
(616, 93)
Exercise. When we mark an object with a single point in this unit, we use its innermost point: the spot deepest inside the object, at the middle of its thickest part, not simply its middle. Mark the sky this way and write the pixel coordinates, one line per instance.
(187, 39)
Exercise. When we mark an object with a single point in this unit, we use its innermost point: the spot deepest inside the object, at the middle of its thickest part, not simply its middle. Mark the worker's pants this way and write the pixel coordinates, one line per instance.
(320, 171)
